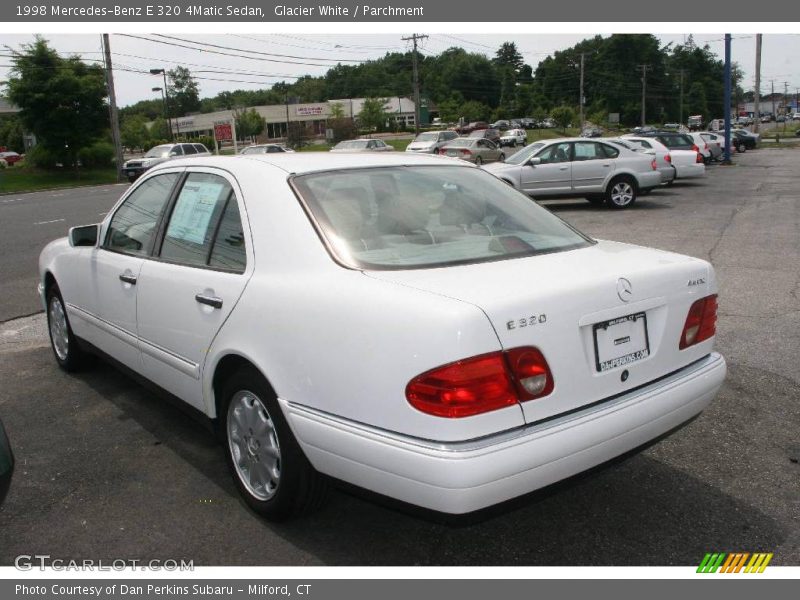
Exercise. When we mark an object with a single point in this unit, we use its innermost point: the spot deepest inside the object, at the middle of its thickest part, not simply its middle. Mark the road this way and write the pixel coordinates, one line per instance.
(108, 470)
(28, 222)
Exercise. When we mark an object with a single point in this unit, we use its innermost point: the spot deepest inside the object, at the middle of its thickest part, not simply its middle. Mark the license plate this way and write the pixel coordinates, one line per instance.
(131, 172)
(452, 153)
(621, 341)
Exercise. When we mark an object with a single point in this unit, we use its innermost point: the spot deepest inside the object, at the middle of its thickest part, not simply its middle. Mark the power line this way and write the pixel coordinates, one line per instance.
(139, 37)
(210, 45)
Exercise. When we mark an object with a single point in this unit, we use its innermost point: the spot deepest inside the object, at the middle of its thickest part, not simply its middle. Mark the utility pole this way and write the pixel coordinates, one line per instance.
(727, 156)
(785, 95)
(772, 82)
(581, 96)
(112, 107)
(680, 110)
(757, 94)
(644, 91)
(414, 38)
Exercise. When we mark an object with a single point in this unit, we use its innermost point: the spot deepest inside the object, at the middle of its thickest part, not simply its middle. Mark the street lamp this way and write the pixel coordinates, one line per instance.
(164, 102)
(165, 91)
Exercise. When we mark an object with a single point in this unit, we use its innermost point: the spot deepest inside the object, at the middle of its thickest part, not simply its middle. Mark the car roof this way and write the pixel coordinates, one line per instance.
(311, 162)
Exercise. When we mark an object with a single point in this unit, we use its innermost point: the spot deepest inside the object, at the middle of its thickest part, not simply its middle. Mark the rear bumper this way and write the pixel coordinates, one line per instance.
(466, 476)
(667, 174)
(649, 180)
(693, 170)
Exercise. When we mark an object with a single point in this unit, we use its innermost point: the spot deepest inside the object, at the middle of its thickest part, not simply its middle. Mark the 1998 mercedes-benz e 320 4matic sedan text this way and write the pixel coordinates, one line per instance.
(408, 324)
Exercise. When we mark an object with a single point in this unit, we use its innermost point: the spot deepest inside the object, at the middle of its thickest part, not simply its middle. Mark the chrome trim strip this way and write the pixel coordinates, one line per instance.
(610, 405)
(171, 359)
(109, 328)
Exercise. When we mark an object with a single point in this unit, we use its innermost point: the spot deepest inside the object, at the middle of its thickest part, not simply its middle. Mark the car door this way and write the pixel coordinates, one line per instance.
(553, 175)
(115, 264)
(199, 270)
(590, 167)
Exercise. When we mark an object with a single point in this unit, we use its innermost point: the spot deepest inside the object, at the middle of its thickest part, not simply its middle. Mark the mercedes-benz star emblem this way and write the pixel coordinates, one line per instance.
(624, 289)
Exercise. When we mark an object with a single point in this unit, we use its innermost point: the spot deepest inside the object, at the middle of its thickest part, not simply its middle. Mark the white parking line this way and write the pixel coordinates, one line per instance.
(46, 222)
(9, 200)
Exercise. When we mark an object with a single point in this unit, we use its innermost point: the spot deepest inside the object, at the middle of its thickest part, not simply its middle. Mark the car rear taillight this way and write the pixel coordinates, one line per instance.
(701, 322)
(705, 147)
(653, 164)
(481, 384)
(466, 152)
(699, 158)
(668, 158)
(695, 148)
(442, 151)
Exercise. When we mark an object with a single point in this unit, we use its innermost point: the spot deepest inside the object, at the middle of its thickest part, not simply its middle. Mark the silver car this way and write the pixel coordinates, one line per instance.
(431, 141)
(365, 145)
(159, 154)
(474, 150)
(577, 167)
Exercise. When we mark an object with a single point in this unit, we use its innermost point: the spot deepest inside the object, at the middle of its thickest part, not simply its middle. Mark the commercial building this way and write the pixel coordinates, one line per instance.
(277, 116)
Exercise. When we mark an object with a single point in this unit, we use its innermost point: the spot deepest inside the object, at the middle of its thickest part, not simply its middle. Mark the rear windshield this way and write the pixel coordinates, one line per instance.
(676, 141)
(410, 217)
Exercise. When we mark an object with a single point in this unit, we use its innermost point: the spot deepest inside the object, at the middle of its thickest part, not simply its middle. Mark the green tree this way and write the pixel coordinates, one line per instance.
(61, 100)
(472, 110)
(508, 56)
(159, 131)
(563, 117)
(184, 93)
(134, 133)
(249, 123)
(11, 133)
(373, 114)
(337, 110)
(697, 104)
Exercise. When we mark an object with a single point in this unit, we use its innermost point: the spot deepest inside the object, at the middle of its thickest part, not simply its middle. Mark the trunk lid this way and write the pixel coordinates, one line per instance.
(554, 301)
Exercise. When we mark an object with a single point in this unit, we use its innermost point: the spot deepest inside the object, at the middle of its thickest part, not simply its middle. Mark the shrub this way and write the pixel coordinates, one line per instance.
(98, 155)
(42, 157)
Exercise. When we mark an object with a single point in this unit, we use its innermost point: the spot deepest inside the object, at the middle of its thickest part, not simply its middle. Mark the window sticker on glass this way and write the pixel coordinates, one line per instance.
(193, 211)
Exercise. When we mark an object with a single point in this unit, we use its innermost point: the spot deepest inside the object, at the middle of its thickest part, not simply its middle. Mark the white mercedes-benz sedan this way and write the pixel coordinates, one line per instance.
(406, 323)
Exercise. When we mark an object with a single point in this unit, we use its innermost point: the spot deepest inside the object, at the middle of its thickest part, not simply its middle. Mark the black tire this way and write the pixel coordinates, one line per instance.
(621, 192)
(669, 183)
(742, 148)
(513, 143)
(478, 161)
(131, 178)
(502, 157)
(299, 489)
(70, 356)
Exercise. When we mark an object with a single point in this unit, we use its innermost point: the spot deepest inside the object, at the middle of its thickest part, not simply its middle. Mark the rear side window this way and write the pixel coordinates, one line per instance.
(200, 148)
(228, 251)
(134, 224)
(608, 151)
(196, 223)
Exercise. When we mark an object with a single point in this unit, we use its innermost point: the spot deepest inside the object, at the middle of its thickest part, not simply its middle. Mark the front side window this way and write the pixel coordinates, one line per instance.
(196, 218)
(557, 153)
(425, 216)
(134, 224)
(159, 151)
(188, 149)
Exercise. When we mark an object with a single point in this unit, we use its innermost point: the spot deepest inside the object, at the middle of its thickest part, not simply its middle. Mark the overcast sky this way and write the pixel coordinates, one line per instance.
(219, 72)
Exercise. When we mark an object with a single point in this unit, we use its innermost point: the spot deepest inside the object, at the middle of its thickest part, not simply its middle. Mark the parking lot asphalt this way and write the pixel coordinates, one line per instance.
(108, 470)
(28, 222)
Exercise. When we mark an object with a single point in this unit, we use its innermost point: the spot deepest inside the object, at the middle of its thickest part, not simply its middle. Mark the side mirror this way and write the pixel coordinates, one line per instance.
(173, 153)
(535, 161)
(85, 235)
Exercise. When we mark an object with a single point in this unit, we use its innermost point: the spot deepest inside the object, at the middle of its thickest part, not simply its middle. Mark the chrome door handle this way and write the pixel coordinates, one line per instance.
(125, 277)
(212, 301)
(563, 168)
(607, 165)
